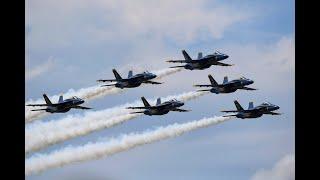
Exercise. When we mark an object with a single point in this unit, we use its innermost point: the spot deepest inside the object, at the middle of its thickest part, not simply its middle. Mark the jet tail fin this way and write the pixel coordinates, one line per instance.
(47, 99)
(250, 105)
(212, 81)
(60, 99)
(238, 106)
(130, 73)
(145, 102)
(186, 56)
(116, 74)
(158, 101)
(225, 79)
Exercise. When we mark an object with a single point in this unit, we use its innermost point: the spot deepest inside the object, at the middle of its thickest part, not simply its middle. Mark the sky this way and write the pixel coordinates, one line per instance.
(70, 44)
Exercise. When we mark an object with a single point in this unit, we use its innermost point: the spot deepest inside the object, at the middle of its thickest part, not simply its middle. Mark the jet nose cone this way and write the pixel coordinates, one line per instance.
(251, 81)
(226, 56)
(277, 107)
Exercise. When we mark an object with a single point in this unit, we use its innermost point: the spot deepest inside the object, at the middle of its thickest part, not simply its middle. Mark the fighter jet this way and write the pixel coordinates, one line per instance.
(159, 108)
(63, 105)
(253, 112)
(132, 80)
(201, 62)
(227, 86)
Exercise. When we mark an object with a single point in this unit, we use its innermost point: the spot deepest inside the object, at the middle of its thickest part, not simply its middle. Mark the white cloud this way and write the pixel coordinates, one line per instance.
(284, 169)
(181, 20)
(40, 69)
(61, 23)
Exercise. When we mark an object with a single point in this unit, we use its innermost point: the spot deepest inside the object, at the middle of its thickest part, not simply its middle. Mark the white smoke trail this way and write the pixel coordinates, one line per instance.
(87, 94)
(43, 134)
(91, 151)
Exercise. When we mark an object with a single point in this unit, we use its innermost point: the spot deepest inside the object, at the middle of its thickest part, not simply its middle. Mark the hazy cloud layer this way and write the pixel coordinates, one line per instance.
(284, 169)
(103, 20)
(40, 69)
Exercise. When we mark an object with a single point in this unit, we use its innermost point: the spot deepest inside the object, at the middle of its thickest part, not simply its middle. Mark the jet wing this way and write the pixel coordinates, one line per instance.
(203, 90)
(177, 61)
(152, 82)
(247, 88)
(81, 107)
(223, 64)
(137, 112)
(142, 107)
(39, 105)
(202, 85)
(106, 80)
(38, 109)
(107, 85)
(180, 110)
(176, 66)
(229, 115)
(273, 113)
(228, 111)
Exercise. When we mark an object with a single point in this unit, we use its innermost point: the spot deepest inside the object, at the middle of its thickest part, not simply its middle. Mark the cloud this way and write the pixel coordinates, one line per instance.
(181, 21)
(40, 69)
(269, 65)
(284, 169)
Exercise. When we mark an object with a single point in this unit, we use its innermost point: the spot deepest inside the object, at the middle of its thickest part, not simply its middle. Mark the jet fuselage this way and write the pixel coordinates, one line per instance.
(231, 86)
(163, 108)
(257, 111)
(205, 62)
(135, 80)
(64, 106)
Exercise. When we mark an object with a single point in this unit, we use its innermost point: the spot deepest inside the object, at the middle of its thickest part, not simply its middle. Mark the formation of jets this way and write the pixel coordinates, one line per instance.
(162, 108)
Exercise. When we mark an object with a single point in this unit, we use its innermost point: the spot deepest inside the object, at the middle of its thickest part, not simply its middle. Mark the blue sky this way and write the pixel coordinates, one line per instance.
(70, 44)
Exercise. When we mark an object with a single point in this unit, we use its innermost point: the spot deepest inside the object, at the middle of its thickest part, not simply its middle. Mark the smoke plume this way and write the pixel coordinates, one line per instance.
(43, 134)
(89, 93)
(91, 151)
